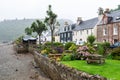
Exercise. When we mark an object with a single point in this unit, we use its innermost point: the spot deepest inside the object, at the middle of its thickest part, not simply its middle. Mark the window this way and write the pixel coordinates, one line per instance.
(104, 31)
(68, 35)
(104, 40)
(115, 30)
(68, 28)
(64, 28)
(61, 35)
(65, 35)
(115, 40)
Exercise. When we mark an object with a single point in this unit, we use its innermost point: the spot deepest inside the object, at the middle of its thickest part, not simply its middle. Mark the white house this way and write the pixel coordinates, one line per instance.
(85, 28)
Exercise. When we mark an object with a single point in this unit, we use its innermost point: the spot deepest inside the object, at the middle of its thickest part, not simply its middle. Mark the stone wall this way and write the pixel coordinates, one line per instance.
(58, 71)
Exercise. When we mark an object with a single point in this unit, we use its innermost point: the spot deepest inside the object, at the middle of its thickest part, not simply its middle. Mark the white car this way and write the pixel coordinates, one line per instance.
(80, 42)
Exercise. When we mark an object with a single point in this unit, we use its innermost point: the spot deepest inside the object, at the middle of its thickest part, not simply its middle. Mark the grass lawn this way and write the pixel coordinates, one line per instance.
(110, 70)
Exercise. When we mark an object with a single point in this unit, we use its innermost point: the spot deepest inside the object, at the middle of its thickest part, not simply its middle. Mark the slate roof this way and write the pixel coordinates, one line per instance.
(114, 15)
(88, 24)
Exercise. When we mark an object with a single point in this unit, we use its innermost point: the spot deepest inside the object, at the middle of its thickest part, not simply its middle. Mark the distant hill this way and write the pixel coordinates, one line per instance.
(12, 29)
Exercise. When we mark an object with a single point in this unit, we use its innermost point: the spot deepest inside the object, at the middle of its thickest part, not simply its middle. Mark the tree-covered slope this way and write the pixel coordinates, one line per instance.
(12, 29)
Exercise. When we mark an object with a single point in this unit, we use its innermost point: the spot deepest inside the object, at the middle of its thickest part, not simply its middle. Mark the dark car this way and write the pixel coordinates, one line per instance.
(115, 45)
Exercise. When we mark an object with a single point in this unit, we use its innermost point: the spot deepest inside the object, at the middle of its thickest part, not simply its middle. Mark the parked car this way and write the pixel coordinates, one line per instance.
(80, 43)
(115, 45)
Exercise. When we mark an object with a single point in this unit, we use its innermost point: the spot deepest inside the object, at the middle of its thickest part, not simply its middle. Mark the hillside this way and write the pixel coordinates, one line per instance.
(11, 29)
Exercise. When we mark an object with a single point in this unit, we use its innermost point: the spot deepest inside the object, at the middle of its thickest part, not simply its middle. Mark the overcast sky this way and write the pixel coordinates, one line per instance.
(68, 9)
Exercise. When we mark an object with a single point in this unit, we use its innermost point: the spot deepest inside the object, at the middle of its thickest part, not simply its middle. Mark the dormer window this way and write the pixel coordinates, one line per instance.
(117, 18)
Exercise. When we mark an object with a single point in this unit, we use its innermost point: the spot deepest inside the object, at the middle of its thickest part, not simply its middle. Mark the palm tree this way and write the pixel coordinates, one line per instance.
(28, 31)
(91, 39)
(38, 27)
(50, 20)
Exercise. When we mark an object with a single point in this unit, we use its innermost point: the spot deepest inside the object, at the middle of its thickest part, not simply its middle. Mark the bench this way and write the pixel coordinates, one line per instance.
(95, 58)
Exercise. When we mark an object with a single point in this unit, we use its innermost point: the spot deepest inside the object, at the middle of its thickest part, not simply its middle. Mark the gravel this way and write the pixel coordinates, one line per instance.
(15, 66)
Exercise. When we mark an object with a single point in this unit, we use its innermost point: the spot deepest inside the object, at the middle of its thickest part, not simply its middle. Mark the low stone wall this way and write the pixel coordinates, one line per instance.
(58, 71)
(20, 48)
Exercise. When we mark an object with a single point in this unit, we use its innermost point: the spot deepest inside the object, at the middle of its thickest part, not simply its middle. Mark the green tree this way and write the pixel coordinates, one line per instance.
(91, 39)
(50, 20)
(28, 31)
(118, 8)
(38, 27)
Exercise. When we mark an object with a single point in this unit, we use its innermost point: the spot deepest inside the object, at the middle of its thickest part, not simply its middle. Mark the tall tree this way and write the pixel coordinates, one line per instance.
(50, 20)
(38, 27)
(28, 31)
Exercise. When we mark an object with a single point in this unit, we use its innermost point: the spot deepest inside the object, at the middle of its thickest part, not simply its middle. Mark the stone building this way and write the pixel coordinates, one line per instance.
(108, 28)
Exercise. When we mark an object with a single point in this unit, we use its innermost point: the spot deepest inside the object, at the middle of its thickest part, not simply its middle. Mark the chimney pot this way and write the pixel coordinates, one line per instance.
(79, 20)
(66, 23)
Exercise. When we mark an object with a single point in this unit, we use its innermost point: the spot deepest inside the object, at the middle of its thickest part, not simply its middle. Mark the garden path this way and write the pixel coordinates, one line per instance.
(17, 66)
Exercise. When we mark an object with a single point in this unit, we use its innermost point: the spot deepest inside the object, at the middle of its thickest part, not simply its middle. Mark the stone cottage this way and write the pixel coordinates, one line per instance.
(108, 29)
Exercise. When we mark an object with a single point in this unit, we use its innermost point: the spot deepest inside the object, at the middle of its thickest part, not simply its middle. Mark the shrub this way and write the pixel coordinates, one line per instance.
(48, 44)
(82, 53)
(66, 58)
(54, 44)
(59, 49)
(48, 48)
(73, 48)
(109, 56)
(58, 44)
(100, 49)
(116, 53)
(19, 40)
(106, 44)
(44, 52)
(68, 45)
(91, 49)
(103, 48)
(91, 39)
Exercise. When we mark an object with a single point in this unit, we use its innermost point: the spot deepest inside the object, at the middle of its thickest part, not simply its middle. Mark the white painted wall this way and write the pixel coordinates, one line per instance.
(83, 34)
(57, 38)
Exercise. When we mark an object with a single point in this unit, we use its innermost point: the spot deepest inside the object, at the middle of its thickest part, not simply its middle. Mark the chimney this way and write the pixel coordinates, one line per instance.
(100, 13)
(109, 17)
(66, 23)
(107, 11)
(79, 20)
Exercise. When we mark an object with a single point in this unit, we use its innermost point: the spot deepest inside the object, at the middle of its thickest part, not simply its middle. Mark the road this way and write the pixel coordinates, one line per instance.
(15, 66)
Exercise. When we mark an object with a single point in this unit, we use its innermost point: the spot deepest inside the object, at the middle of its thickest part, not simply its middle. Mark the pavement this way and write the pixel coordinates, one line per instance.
(15, 66)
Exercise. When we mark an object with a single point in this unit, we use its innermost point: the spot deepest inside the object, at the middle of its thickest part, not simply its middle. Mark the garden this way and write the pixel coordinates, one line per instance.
(91, 57)
(76, 56)
(103, 60)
